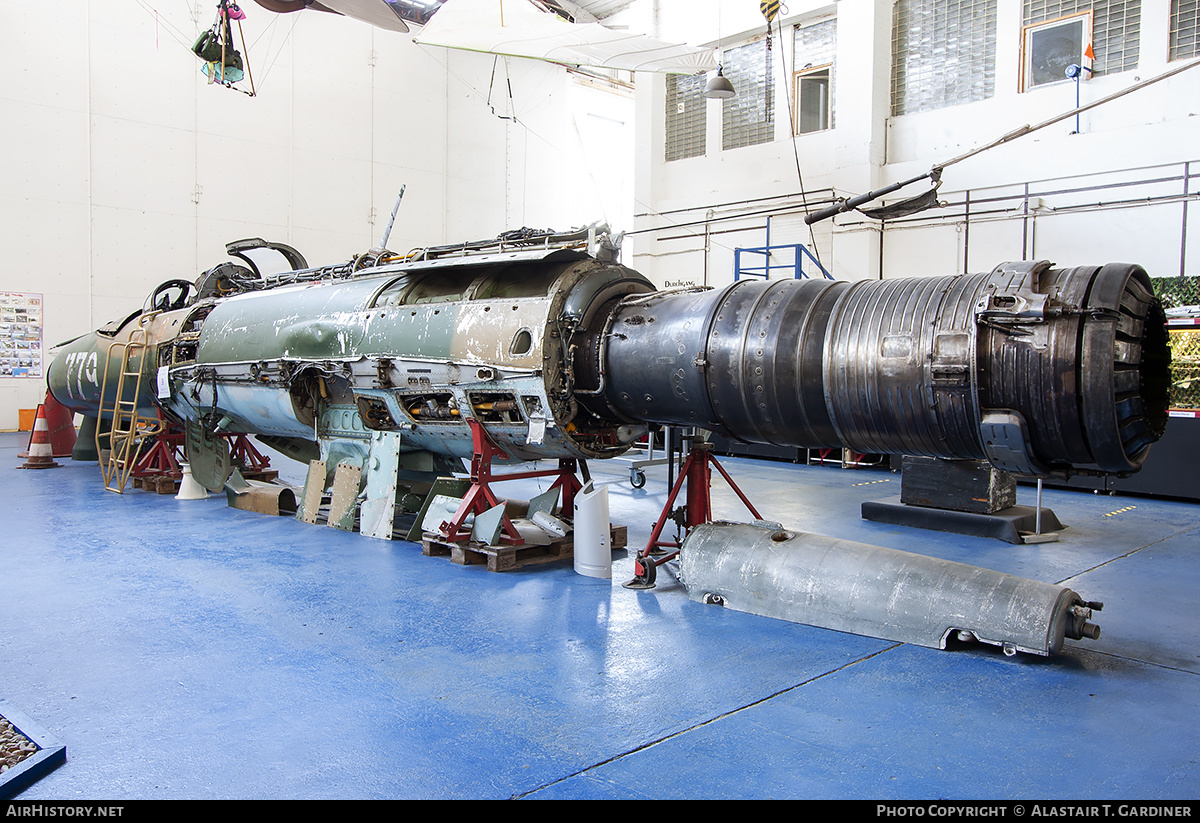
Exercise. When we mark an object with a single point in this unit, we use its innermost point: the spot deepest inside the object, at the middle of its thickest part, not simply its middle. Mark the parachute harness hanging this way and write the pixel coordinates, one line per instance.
(222, 61)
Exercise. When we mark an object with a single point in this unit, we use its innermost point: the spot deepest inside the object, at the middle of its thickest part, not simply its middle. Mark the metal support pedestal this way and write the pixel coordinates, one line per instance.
(1016, 524)
(964, 497)
(480, 498)
(697, 473)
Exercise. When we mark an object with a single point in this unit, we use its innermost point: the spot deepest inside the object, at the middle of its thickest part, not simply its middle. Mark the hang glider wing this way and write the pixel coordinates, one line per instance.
(384, 14)
(380, 13)
(516, 28)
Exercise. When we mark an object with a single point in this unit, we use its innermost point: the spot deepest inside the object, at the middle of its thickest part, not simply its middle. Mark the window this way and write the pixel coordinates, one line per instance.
(1185, 29)
(1049, 49)
(814, 47)
(943, 53)
(748, 118)
(812, 95)
(685, 116)
(1116, 28)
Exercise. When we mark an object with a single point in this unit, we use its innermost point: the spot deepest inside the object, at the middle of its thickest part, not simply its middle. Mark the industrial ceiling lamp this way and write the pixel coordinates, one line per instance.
(719, 87)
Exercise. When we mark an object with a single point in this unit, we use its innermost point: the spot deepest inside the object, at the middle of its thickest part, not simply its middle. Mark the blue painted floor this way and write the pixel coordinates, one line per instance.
(183, 649)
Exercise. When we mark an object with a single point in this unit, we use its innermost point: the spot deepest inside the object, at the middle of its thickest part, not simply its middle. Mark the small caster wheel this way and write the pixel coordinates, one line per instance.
(645, 571)
(637, 479)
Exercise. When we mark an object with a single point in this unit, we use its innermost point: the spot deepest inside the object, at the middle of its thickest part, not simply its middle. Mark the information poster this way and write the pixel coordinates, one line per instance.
(20, 334)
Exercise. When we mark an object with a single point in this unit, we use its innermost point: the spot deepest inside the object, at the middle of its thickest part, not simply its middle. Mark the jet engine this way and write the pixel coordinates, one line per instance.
(554, 352)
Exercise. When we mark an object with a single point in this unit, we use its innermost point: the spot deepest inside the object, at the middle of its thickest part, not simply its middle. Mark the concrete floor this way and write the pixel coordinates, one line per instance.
(183, 649)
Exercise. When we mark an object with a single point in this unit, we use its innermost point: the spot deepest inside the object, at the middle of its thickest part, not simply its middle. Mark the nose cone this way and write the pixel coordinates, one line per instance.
(74, 376)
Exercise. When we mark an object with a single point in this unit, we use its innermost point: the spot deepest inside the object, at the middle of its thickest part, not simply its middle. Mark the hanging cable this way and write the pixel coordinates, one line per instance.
(242, 35)
(175, 32)
(271, 29)
(491, 84)
(769, 98)
(812, 237)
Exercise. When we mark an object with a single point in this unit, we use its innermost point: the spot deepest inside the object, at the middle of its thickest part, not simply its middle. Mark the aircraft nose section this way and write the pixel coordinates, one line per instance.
(74, 376)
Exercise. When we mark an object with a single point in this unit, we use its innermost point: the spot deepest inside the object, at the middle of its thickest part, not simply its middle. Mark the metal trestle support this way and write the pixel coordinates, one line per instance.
(697, 509)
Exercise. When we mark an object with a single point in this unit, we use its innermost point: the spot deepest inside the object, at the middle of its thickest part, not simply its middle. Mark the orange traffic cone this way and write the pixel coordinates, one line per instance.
(60, 422)
(40, 456)
(60, 425)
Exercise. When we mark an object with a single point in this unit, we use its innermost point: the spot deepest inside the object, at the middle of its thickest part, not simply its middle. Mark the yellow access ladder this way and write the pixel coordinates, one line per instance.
(129, 430)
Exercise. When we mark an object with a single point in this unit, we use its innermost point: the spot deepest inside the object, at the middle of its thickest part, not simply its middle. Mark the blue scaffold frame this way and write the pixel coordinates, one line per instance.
(796, 263)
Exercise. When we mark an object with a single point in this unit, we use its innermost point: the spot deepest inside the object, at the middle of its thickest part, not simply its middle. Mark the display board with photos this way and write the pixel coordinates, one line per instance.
(20, 334)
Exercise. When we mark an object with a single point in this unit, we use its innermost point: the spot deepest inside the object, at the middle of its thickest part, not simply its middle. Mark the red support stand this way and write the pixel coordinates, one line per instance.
(164, 456)
(243, 454)
(161, 460)
(697, 473)
(479, 498)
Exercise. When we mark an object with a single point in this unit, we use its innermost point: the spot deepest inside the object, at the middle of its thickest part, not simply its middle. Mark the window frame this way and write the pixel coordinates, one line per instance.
(1184, 38)
(1085, 20)
(827, 108)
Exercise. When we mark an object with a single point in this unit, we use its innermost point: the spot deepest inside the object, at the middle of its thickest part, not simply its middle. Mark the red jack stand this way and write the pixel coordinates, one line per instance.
(697, 509)
(479, 498)
(160, 459)
(164, 456)
(243, 454)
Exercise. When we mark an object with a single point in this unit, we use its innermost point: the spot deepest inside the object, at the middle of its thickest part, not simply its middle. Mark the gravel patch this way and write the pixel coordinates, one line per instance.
(14, 746)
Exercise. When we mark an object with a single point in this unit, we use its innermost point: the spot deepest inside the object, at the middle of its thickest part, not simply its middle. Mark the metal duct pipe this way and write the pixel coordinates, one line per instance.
(852, 587)
(1038, 369)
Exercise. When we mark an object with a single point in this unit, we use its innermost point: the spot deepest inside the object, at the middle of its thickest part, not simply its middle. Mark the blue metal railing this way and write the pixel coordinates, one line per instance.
(793, 262)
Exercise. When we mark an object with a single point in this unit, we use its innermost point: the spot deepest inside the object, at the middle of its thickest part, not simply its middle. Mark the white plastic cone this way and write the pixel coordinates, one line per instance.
(189, 489)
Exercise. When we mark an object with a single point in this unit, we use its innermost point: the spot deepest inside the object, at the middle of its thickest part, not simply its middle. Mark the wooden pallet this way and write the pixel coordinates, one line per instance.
(157, 483)
(169, 484)
(508, 558)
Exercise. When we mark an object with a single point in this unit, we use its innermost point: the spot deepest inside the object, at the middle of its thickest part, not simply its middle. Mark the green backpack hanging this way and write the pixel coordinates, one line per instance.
(208, 46)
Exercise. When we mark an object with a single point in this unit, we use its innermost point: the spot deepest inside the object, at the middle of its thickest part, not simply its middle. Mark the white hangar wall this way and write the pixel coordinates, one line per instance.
(123, 168)
(1118, 190)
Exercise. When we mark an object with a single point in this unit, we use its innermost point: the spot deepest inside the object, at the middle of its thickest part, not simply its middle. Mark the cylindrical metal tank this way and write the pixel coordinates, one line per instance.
(1037, 369)
(852, 587)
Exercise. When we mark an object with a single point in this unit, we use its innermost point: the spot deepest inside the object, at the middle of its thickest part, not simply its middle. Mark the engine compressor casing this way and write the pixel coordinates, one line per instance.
(1038, 370)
